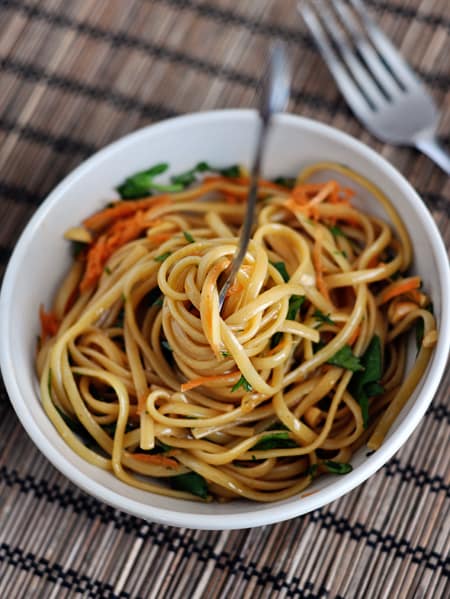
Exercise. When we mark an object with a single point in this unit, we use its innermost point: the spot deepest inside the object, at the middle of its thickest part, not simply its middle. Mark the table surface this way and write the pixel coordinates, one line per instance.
(76, 75)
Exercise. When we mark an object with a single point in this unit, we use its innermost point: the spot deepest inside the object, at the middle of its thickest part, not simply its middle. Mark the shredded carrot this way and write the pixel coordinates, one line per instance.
(205, 380)
(231, 198)
(160, 238)
(49, 323)
(355, 335)
(373, 262)
(317, 261)
(120, 233)
(156, 459)
(245, 181)
(103, 219)
(398, 288)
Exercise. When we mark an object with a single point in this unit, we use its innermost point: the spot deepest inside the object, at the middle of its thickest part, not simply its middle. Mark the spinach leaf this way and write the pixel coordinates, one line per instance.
(312, 470)
(141, 183)
(295, 303)
(188, 237)
(191, 482)
(288, 182)
(321, 317)
(242, 382)
(77, 247)
(366, 384)
(275, 441)
(78, 429)
(162, 257)
(166, 345)
(158, 301)
(281, 267)
(337, 231)
(345, 358)
(188, 177)
(337, 467)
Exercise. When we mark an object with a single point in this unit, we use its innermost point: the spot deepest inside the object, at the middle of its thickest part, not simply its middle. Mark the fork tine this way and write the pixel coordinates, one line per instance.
(354, 97)
(374, 63)
(399, 67)
(358, 71)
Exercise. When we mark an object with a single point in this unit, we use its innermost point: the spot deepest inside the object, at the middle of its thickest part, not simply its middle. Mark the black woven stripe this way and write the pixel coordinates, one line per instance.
(54, 572)
(173, 540)
(409, 12)
(58, 143)
(153, 110)
(102, 94)
(230, 17)
(438, 80)
(80, 583)
(420, 478)
(18, 193)
(440, 412)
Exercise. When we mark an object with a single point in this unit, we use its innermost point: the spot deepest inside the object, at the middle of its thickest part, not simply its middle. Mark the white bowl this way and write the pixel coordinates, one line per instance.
(222, 138)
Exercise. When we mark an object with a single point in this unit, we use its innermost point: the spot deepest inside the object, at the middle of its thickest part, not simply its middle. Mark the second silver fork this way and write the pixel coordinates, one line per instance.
(379, 86)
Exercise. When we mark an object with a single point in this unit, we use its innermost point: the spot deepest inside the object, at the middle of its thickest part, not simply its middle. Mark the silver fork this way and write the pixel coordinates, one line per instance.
(379, 86)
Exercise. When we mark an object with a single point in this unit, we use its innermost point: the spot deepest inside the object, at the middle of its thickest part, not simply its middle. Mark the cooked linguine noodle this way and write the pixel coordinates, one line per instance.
(142, 374)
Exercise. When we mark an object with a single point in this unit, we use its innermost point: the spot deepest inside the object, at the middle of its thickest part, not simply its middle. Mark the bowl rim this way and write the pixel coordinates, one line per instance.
(269, 513)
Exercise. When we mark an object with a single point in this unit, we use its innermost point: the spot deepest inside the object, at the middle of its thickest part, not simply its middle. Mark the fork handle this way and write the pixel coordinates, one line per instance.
(427, 143)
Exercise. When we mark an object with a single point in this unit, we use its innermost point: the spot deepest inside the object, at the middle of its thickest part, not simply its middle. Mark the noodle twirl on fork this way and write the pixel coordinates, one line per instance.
(141, 373)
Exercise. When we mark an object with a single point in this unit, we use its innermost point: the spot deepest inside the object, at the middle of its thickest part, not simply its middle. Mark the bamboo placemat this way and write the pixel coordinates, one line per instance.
(78, 74)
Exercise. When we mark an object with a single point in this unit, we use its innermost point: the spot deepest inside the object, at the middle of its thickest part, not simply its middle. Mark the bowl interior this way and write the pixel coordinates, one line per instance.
(222, 138)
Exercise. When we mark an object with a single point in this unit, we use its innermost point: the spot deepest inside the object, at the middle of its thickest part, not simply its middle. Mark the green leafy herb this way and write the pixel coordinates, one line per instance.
(281, 267)
(190, 482)
(295, 303)
(225, 354)
(141, 184)
(49, 382)
(345, 358)
(420, 331)
(366, 384)
(337, 467)
(276, 338)
(318, 346)
(158, 301)
(188, 177)
(288, 182)
(77, 247)
(337, 231)
(110, 429)
(312, 470)
(163, 446)
(162, 257)
(188, 237)
(232, 171)
(78, 429)
(275, 441)
(120, 319)
(322, 318)
(166, 345)
(108, 270)
(242, 382)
